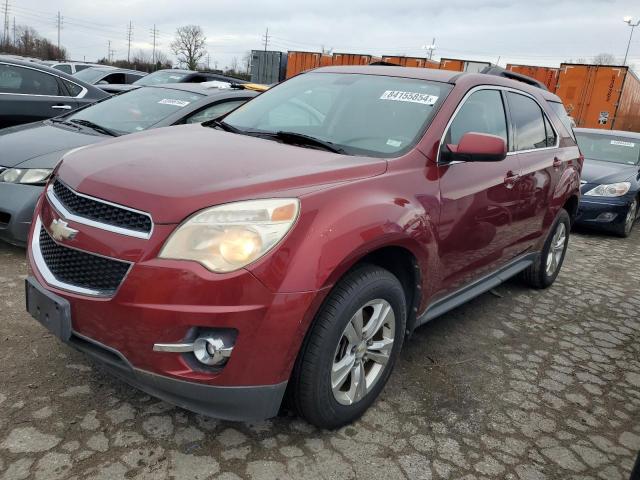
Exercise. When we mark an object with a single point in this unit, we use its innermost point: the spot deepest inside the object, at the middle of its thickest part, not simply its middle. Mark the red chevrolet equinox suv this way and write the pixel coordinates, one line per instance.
(291, 247)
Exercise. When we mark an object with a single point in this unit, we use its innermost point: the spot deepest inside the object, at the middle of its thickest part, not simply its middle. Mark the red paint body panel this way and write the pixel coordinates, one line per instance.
(458, 221)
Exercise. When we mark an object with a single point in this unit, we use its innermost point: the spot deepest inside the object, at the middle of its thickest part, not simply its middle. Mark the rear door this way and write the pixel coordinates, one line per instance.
(479, 199)
(28, 95)
(536, 146)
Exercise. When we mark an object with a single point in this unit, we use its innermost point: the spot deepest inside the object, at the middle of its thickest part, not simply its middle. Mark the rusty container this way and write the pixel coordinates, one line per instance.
(458, 65)
(298, 62)
(351, 59)
(600, 96)
(546, 75)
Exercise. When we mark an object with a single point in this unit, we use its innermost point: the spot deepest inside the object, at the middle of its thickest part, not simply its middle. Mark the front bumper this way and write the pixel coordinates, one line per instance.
(603, 212)
(17, 203)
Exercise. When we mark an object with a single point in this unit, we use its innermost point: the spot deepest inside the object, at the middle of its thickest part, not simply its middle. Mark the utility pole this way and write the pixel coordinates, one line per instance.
(433, 47)
(5, 31)
(266, 39)
(110, 53)
(129, 37)
(14, 33)
(59, 25)
(154, 35)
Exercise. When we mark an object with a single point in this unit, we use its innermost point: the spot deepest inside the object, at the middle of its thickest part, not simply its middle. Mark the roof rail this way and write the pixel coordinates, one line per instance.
(501, 72)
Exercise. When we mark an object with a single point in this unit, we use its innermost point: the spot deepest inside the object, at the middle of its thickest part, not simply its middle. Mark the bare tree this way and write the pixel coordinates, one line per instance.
(604, 59)
(246, 61)
(189, 45)
(234, 64)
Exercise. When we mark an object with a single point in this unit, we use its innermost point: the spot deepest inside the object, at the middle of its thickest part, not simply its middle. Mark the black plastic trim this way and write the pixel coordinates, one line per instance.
(476, 288)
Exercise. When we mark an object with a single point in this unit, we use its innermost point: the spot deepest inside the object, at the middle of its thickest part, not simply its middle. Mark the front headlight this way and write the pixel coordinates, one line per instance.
(31, 176)
(228, 237)
(610, 190)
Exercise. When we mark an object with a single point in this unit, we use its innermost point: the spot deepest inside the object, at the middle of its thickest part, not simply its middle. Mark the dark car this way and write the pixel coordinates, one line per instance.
(109, 75)
(174, 75)
(30, 92)
(30, 152)
(610, 179)
(293, 245)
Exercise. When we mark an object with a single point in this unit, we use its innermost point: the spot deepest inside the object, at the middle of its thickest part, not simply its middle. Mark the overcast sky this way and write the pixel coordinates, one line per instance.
(536, 32)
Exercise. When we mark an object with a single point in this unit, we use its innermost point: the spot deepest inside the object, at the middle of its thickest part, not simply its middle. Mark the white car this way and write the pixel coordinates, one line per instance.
(71, 67)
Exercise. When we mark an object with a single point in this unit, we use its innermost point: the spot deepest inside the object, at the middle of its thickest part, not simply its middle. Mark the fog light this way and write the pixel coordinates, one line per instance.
(606, 217)
(211, 351)
(207, 349)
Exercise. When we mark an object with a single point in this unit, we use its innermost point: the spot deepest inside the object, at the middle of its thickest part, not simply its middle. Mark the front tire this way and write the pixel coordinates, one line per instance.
(351, 349)
(546, 268)
(630, 219)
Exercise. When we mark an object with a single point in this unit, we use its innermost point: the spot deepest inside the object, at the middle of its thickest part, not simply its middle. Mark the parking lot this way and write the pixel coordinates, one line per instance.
(517, 384)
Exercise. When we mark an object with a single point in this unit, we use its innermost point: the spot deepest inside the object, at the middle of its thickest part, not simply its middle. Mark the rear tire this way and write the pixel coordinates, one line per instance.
(341, 368)
(544, 271)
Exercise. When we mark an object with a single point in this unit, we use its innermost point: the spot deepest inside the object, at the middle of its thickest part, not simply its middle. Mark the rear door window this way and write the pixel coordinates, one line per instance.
(528, 120)
(14, 79)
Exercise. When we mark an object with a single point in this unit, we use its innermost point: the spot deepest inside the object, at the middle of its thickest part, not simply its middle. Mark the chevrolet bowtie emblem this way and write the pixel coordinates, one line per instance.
(60, 230)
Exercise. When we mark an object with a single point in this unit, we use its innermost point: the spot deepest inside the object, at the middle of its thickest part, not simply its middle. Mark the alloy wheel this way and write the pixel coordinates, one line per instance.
(556, 249)
(631, 217)
(363, 351)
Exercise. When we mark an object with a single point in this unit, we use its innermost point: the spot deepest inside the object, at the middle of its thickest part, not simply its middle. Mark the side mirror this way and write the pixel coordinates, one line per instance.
(477, 147)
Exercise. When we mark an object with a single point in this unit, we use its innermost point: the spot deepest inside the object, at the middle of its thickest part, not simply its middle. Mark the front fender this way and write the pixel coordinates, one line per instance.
(340, 225)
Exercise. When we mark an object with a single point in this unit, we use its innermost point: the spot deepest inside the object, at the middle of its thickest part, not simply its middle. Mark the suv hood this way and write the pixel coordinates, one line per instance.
(41, 143)
(597, 171)
(174, 172)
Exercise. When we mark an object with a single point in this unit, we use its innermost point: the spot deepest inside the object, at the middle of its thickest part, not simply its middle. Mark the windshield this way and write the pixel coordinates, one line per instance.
(609, 148)
(136, 110)
(159, 78)
(361, 114)
(90, 75)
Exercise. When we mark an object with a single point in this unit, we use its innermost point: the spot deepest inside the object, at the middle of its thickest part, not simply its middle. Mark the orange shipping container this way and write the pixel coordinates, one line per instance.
(600, 96)
(351, 59)
(457, 65)
(298, 62)
(546, 75)
(406, 61)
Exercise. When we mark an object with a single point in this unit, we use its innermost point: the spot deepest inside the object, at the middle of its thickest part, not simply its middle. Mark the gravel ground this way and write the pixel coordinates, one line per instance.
(518, 384)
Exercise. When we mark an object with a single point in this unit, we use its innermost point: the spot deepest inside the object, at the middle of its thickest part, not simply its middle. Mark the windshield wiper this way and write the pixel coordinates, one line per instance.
(95, 126)
(302, 139)
(64, 121)
(222, 125)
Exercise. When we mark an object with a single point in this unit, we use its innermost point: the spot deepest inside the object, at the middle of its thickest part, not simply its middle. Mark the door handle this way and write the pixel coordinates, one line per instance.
(557, 163)
(510, 179)
(61, 107)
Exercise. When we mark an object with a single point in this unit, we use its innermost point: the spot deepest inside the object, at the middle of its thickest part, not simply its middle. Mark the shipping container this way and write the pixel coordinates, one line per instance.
(458, 65)
(406, 61)
(546, 75)
(600, 96)
(268, 67)
(351, 59)
(298, 62)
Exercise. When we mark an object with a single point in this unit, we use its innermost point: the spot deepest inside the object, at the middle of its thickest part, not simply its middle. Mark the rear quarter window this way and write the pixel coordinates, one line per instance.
(566, 120)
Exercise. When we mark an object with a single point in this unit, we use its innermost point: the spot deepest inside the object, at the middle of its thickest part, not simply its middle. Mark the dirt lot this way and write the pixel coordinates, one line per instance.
(518, 384)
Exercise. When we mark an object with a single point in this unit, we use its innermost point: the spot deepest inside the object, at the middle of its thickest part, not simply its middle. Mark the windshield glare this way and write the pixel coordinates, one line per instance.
(609, 148)
(136, 110)
(159, 78)
(363, 114)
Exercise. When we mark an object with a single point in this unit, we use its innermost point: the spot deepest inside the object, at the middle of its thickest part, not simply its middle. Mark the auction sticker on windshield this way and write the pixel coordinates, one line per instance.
(623, 144)
(176, 103)
(414, 97)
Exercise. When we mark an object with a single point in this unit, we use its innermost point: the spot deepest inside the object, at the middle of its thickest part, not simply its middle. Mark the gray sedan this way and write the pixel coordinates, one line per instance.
(30, 152)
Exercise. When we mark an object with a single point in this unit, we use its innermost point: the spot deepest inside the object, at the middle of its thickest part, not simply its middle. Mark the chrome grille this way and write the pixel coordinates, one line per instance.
(100, 213)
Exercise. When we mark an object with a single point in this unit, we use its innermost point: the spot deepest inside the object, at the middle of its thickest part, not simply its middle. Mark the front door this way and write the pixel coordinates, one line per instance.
(479, 199)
